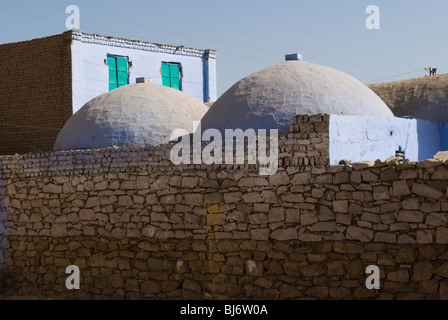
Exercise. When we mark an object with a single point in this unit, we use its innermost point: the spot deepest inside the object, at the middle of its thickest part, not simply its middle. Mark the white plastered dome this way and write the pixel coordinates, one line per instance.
(135, 114)
(269, 99)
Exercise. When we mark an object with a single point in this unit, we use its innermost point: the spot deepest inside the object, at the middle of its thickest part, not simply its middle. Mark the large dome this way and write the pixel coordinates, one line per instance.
(136, 114)
(269, 99)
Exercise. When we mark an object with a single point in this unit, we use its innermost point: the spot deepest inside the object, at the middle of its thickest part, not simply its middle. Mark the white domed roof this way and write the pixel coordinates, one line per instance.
(136, 114)
(269, 99)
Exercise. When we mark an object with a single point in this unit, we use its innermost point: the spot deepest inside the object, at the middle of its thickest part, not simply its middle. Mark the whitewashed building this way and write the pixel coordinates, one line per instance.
(102, 63)
(45, 81)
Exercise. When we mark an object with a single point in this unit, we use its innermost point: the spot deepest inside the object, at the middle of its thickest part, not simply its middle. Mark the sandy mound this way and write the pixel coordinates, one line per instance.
(424, 98)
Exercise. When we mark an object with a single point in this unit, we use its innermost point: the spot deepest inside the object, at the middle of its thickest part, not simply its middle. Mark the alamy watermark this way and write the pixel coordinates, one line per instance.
(373, 280)
(233, 140)
(73, 280)
(373, 20)
(73, 20)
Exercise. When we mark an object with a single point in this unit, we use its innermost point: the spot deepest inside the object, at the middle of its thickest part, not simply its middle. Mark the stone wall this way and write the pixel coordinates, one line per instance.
(138, 226)
(36, 93)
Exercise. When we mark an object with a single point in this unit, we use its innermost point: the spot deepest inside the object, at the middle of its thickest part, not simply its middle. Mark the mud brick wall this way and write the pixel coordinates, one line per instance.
(139, 227)
(36, 93)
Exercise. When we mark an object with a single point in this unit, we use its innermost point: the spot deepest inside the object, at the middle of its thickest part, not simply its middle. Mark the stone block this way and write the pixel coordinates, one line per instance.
(400, 188)
(260, 234)
(410, 216)
(398, 276)
(440, 174)
(309, 237)
(405, 239)
(301, 178)
(149, 286)
(381, 193)
(442, 235)
(406, 255)
(325, 214)
(443, 291)
(437, 219)
(59, 230)
(252, 197)
(360, 234)
(52, 188)
(429, 286)
(385, 237)
(143, 182)
(335, 268)
(216, 219)
(442, 271)
(319, 292)
(323, 227)
(426, 191)
(340, 206)
(293, 216)
(410, 204)
(279, 179)
(423, 270)
(308, 218)
(276, 214)
(425, 236)
(284, 234)
(190, 285)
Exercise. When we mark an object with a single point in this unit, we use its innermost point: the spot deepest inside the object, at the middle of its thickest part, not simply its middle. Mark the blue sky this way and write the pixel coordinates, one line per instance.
(250, 35)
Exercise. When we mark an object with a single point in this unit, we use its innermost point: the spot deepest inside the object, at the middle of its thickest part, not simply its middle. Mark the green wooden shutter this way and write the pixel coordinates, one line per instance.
(174, 76)
(171, 75)
(118, 72)
(122, 71)
(166, 75)
(112, 63)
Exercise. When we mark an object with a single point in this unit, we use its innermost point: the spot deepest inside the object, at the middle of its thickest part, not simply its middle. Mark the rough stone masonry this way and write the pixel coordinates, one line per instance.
(139, 227)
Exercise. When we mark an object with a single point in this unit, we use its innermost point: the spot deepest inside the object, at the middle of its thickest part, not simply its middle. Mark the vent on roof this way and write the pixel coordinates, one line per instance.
(144, 80)
(293, 56)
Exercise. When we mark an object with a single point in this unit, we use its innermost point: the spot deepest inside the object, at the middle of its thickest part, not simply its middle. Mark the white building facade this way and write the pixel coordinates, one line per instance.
(101, 64)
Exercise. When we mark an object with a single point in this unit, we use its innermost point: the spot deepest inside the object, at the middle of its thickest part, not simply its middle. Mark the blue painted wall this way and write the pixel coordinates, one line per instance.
(90, 75)
(428, 139)
(443, 131)
(359, 138)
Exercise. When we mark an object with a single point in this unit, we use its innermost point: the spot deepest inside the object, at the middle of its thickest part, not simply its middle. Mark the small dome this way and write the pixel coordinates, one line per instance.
(135, 114)
(269, 99)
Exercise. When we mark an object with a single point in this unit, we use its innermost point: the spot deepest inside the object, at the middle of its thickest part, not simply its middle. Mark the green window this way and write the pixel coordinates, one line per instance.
(118, 71)
(171, 75)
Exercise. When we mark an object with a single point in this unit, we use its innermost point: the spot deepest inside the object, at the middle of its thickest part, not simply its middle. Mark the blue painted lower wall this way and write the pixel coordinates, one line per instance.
(443, 131)
(360, 138)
